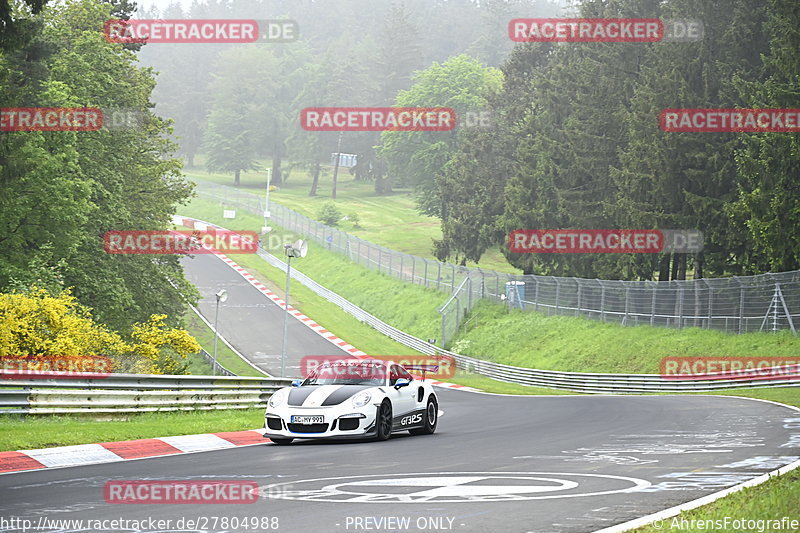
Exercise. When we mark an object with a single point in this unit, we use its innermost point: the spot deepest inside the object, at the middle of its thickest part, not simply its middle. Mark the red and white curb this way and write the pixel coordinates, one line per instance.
(110, 452)
(324, 333)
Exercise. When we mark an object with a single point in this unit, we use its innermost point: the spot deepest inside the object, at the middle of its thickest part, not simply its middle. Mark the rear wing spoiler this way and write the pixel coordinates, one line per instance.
(423, 368)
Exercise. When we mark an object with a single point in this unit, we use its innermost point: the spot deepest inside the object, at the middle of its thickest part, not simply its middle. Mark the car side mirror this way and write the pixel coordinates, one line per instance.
(297, 382)
(401, 382)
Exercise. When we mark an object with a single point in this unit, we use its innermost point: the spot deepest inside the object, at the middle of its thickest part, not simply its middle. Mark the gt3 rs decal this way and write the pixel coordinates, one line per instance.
(410, 420)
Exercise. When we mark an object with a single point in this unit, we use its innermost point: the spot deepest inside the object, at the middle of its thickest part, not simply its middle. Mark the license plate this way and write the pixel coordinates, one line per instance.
(308, 419)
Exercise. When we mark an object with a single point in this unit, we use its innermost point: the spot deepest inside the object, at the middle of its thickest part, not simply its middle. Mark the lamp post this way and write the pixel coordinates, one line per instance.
(266, 227)
(222, 295)
(296, 249)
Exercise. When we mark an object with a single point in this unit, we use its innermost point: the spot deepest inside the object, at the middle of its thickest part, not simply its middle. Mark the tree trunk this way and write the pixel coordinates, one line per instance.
(699, 266)
(236, 176)
(313, 191)
(663, 268)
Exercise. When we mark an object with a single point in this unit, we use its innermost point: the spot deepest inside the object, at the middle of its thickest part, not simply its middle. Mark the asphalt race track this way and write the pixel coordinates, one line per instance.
(251, 322)
(495, 464)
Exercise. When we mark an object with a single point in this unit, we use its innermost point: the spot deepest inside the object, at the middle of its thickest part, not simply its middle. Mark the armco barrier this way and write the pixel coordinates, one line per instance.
(129, 393)
(765, 302)
(570, 381)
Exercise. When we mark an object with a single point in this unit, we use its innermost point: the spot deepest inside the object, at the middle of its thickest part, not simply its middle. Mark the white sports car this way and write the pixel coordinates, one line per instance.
(352, 399)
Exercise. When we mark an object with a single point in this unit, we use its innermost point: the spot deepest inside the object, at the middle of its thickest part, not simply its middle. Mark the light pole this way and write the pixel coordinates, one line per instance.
(296, 249)
(266, 227)
(222, 295)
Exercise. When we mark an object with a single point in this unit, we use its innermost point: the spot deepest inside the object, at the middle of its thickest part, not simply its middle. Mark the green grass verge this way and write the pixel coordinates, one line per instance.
(773, 500)
(378, 216)
(522, 338)
(25, 433)
(381, 295)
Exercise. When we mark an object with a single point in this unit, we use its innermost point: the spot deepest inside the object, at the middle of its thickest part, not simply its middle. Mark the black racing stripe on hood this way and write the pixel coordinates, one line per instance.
(299, 394)
(343, 393)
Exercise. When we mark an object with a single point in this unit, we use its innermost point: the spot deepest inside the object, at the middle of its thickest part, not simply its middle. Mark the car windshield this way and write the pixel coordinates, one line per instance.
(348, 374)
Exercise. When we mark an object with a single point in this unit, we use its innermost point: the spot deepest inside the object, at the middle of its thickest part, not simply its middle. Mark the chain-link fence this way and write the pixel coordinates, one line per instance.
(767, 302)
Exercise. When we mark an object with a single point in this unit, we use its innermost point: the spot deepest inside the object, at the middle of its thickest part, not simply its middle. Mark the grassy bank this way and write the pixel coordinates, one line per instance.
(379, 216)
(521, 338)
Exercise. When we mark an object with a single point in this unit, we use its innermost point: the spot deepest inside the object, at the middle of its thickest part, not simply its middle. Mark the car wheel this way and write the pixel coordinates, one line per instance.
(282, 442)
(384, 421)
(431, 419)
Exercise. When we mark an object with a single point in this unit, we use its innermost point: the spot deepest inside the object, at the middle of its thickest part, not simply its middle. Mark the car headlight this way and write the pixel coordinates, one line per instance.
(278, 398)
(361, 399)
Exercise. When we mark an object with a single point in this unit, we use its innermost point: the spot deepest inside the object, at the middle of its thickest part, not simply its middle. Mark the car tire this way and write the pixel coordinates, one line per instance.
(282, 442)
(383, 421)
(431, 418)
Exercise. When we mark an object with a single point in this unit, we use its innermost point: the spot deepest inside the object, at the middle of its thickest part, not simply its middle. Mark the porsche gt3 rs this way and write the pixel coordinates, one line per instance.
(352, 399)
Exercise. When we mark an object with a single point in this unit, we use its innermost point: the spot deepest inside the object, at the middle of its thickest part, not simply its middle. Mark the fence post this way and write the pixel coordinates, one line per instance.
(627, 301)
(402, 274)
(741, 304)
(558, 294)
(380, 258)
(426, 272)
(653, 305)
(710, 305)
(413, 269)
(602, 301)
(390, 254)
(536, 294)
(680, 305)
(578, 305)
(453, 277)
(439, 275)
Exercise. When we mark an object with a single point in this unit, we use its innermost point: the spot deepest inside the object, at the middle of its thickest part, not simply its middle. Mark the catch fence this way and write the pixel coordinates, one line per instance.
(766, 302)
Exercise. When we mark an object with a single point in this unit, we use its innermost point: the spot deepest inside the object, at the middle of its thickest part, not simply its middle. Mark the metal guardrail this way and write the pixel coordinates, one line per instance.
(765, 302)
(133, 393)
(570, 381)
